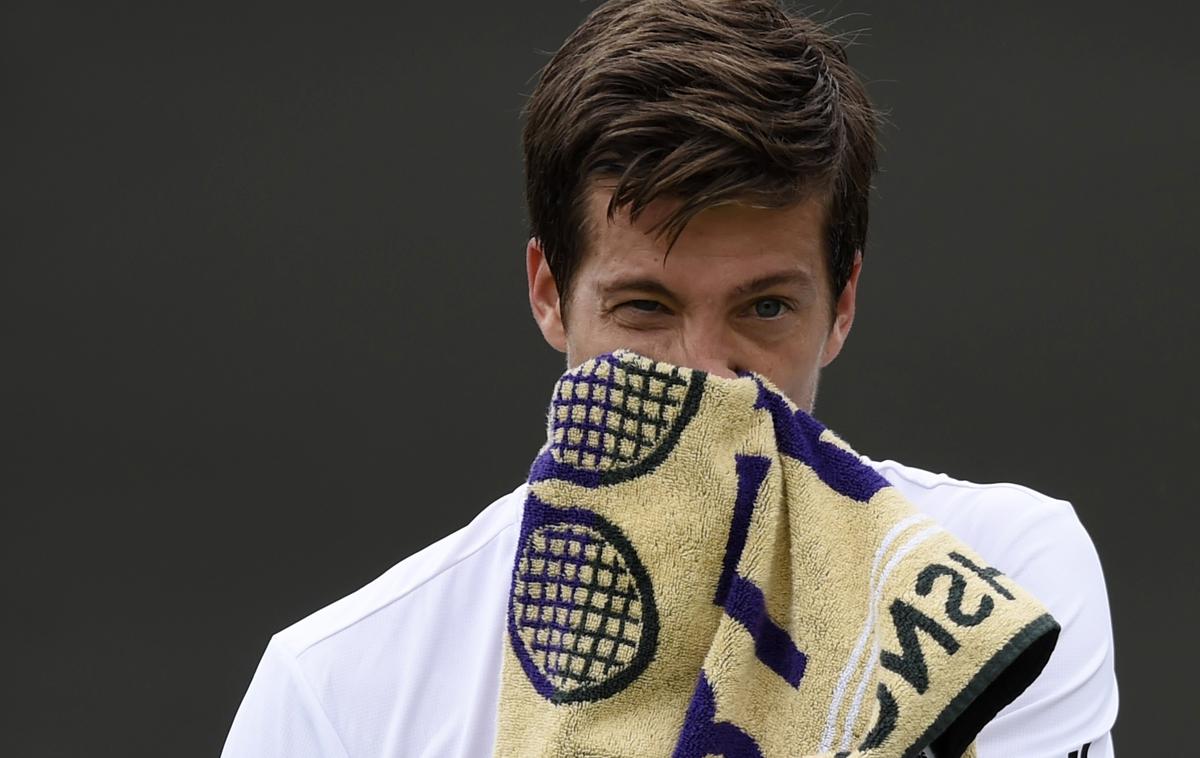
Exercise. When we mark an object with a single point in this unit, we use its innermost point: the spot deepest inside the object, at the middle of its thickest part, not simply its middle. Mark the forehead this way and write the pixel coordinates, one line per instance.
(730, 239)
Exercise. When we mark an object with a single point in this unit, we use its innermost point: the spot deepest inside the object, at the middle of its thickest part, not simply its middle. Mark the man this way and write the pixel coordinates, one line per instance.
(697, 178)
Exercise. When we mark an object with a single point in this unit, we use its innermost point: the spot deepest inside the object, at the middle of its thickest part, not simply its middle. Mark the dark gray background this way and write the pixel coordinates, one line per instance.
(242, 246)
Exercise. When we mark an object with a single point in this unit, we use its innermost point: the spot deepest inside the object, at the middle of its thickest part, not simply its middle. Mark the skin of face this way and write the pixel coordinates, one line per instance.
(742, 289)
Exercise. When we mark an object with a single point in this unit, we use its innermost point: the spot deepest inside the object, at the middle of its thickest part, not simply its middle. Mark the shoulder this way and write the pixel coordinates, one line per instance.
(1007, 522)
(1040, 542)
(467, 551)
(402, 664)
(1036, 539)
(964, 505)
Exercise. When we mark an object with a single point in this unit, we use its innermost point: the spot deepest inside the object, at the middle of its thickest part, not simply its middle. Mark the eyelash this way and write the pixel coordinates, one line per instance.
(632, 304)
(787, 306)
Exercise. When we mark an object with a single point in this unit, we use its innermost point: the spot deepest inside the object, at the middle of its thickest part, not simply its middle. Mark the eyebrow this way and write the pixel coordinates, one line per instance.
(762, 283)
(640, 284)
(795, 278)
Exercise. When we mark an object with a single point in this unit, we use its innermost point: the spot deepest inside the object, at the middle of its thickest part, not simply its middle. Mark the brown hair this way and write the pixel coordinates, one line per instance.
(708, 101)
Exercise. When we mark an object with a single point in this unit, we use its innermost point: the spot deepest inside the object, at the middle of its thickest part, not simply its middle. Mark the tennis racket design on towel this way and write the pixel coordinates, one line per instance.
(615, 417)
(582, 617)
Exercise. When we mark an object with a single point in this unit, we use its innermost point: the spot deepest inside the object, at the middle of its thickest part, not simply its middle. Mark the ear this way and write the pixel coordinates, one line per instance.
(543, 297)
(843, 317)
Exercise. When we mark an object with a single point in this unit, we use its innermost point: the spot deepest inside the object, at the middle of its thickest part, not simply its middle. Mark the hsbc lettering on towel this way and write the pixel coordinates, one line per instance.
(775, 648)
(911, 624)
(949, 601)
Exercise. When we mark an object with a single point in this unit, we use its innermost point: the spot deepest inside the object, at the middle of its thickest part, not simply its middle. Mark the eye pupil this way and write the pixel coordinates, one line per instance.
(644, 305)
(768, 308)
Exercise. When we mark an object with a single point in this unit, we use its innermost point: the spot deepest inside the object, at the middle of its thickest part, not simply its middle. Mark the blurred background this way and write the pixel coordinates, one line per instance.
(240, 244)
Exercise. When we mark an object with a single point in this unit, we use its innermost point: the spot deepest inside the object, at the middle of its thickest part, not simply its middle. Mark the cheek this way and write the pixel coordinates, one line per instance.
(793, 366)
(793, 379)
(590, 334)
(599, 337)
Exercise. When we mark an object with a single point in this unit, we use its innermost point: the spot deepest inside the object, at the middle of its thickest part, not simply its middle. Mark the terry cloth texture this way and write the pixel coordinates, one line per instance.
(705, 570)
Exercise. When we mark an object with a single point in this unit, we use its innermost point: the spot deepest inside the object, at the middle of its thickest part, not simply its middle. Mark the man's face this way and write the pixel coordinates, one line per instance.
(742, 289)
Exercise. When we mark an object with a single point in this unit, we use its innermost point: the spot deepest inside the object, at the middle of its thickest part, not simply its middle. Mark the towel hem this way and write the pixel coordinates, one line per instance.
(1005, 676)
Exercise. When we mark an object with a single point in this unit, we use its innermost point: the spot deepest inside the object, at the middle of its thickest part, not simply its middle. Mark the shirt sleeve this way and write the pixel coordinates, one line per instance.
(280, 715)
(1069, 710)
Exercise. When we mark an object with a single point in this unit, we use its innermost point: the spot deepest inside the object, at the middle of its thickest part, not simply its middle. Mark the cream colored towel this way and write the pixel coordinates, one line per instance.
(704, 570)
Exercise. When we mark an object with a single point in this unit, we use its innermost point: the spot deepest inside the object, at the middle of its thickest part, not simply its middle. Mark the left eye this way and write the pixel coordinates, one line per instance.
(645, 306)
(769, 308)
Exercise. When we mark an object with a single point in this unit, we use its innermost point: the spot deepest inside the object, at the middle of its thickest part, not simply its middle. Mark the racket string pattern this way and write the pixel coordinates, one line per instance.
(582, 617)
(615, 411)
(578, 609)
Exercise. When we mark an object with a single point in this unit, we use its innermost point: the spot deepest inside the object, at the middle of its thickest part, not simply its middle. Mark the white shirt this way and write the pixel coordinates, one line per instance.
(409, 665)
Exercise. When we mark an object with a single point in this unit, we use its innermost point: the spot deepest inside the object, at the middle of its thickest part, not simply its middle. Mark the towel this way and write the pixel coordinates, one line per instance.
(703, 570)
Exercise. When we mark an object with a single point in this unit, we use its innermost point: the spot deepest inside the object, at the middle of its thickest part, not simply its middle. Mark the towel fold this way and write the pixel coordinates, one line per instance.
(705, 570)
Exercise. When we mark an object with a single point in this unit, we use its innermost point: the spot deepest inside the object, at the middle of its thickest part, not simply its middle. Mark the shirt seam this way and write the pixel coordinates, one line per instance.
(948, 481)
(407, 592)
(294, 666)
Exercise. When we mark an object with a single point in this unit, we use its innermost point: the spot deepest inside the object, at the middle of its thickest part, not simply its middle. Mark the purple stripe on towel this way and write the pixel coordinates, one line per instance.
(702, 735)
(545, 467)
(798, 436)
(774, 647)
(742, 599)
(751, 471)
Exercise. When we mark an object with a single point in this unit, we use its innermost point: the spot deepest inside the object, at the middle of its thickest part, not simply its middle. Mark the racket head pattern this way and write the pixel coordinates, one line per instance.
(615, 417)
(582, 618)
